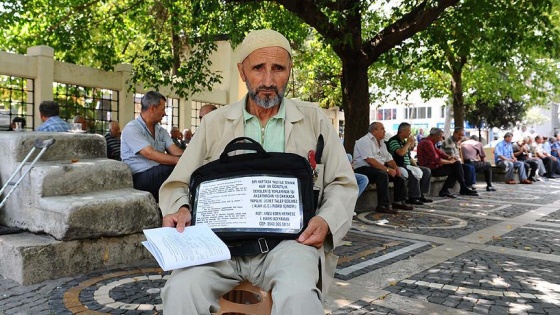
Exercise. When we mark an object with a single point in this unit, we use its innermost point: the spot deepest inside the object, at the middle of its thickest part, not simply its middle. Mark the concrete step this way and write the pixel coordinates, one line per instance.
(67, 146)
(58, 178)
(89, 215)
(29, 258)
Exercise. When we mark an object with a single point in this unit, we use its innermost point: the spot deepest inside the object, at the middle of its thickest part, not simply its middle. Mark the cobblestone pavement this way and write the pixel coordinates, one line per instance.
(493, 254)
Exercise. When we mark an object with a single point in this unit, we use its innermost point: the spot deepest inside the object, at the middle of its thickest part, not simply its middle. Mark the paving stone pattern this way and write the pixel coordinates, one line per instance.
(533, 238)
(430, 224)
(480, 207)
(364, 308)
(484, 280)
(487, 283)
(554, 217)
(363, 247)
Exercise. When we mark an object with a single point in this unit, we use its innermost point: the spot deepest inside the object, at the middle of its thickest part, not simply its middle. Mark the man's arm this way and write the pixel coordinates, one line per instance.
(175, 150)
(162, 158)
(394, 146)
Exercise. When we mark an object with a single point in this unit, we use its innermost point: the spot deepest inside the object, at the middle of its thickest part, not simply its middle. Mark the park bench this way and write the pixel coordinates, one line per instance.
(368, 200)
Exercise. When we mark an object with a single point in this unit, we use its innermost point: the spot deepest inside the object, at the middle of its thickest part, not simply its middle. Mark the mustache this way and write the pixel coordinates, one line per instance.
(266, 88)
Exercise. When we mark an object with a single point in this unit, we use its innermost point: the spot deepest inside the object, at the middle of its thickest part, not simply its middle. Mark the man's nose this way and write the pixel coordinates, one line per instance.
(268, 78)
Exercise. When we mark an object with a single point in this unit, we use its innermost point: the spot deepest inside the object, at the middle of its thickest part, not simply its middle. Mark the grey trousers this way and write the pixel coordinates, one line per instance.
(290, 271)
(418, 187)
(510, 166)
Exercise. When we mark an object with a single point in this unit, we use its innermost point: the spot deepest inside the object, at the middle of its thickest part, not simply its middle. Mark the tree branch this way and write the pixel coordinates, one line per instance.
(310, 12)
(413, 22)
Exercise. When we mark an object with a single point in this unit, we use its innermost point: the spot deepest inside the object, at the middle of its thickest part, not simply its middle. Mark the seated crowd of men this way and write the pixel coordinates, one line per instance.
(455, 157)
(375, 160)
(383, 161)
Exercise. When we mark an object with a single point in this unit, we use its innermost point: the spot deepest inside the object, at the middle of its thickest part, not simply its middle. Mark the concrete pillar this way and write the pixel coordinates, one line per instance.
(43, 90)
(554, 117)
(185, 107)
(126, 97)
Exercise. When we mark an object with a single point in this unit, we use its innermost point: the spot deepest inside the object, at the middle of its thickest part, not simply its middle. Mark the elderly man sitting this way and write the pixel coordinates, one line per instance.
(473, 154)
(442, 164)
(372, 159)
(503, 155)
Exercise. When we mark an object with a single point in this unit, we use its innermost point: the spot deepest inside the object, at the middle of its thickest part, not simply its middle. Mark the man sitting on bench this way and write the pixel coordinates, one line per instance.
(296, 271)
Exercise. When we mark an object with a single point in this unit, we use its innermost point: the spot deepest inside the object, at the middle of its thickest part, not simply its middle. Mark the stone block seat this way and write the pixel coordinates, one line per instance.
(78, 209)
(498, 173)
(368, 200)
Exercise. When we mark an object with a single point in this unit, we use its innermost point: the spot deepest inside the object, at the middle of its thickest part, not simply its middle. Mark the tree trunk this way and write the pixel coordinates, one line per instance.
(457, 92)
(355, 101)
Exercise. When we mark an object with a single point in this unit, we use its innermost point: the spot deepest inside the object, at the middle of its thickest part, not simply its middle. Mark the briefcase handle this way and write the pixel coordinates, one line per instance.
(242, 143)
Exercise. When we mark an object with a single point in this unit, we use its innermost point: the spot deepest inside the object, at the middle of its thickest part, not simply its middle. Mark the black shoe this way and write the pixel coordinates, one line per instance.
(490, 188)
(468, 193)
(402, 206)
(447, 194)
(424, 199)
(415, 201)
(386, 209)
(471, 188)
(532, 179)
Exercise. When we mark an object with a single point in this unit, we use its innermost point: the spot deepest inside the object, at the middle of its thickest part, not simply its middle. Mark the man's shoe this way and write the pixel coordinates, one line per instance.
(510, 182)
(425, 200)
(402, 206)
(415, 201)
(525, 181)
(468, 193)
(447, 194)
(490, 188)
(386, 209)
(532, 179)
(472, 188)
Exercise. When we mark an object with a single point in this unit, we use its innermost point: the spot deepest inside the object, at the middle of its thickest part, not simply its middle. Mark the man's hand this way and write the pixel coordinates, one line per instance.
(391, 172)
(315, 233)
(179, 219)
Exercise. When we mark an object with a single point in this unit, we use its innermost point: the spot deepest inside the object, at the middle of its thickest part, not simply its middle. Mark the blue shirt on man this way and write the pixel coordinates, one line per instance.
(503, 148)
(54, 124)
(135, 137)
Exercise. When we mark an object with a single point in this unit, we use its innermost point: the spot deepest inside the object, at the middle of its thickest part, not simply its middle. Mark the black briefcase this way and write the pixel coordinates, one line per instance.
(253, 195)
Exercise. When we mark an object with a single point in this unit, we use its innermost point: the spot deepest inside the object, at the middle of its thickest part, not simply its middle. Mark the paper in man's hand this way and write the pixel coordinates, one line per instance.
(197, 245)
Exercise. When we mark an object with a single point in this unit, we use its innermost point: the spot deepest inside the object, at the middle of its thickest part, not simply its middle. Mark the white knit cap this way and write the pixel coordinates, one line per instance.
(261, 39)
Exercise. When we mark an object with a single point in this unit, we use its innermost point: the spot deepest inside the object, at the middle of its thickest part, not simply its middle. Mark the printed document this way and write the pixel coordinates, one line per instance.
(197, 245)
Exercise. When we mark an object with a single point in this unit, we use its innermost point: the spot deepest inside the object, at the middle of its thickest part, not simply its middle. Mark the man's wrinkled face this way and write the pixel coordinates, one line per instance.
(159, 111)
(458, 135)
(266, 72)
(379, 132)
(115, 130)
(406, 132)
(176, 134)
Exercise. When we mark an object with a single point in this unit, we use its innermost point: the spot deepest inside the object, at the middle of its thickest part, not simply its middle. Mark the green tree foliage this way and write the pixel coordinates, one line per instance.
(501, 114)
(153, 34)
(482, 52)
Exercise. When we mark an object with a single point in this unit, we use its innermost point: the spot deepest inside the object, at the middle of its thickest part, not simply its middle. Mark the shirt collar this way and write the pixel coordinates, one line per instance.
(281, 114)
